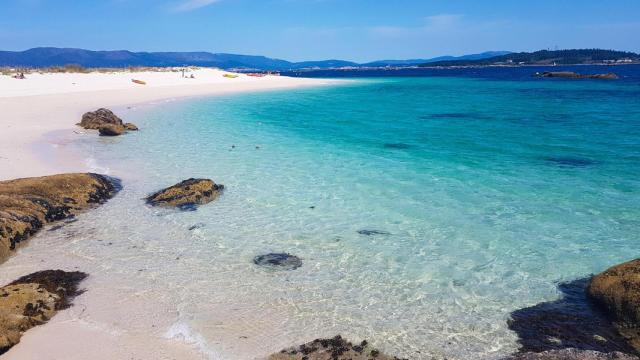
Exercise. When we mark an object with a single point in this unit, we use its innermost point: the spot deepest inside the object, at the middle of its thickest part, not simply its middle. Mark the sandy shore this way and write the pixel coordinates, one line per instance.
(46, 103)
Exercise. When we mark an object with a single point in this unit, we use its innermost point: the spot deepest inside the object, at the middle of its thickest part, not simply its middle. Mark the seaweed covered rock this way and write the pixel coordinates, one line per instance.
(187, 194)
(111, 130)
(335, 348)
(96, 119)
(573, 354)
(26, 205)
(32, 300)
(617, 291)
(106, 122)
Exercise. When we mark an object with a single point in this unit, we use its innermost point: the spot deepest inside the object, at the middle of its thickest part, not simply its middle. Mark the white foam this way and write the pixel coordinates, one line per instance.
(181, 331)
(93, 166)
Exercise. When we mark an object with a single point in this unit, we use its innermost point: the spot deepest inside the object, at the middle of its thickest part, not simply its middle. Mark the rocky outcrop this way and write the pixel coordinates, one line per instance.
(104, 120)
(26, 205)
(617, 291)
(574, 75)
(573, 354)
(336, 348)
(111, 130)
(187, 194)
(32, 300)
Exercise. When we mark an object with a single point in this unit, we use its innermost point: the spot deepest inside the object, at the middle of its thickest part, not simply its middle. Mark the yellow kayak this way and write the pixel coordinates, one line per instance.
(230, 76)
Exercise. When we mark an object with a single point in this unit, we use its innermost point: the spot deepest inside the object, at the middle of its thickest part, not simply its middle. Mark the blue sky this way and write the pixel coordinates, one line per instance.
(358, 30)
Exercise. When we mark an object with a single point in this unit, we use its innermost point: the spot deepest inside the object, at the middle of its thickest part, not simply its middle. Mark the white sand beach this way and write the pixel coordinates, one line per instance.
(52, 102)
(43, 104)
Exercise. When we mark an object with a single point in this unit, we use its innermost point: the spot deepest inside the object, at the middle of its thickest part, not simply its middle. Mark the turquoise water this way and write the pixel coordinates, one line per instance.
(487, 194)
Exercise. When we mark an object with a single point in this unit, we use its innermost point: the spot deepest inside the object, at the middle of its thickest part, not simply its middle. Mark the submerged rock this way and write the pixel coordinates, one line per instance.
(26, 205)
(372, 232)
(32, 300)
(187, 194)
(335, 348)
(399, 146)
(278, 261)
(111, 130)
(617, 291)
(570, 161)
(573, 354)
(106, 122)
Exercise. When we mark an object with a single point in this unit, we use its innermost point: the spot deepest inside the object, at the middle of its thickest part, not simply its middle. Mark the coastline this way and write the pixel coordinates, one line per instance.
(38, 124)
(35, 109)
(121, 318)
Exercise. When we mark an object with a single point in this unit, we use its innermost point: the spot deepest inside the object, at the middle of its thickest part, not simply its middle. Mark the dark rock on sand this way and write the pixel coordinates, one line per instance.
(106, 122)
(617, 292)
(372, 232)
(187, 194)
(96, 119)
(573, 354)
(570, 322)
(32, 300)
(278, 261)
(336, 348)
(111, 130)
(570, 161)
(130, 127)
(26, 205)
(574, 75)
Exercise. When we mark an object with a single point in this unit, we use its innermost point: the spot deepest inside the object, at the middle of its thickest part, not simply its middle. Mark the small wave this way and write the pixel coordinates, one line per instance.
(93, 166)
(183, 332)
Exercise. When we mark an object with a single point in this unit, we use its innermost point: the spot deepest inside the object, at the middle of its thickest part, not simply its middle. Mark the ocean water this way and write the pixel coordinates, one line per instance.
(484, 194)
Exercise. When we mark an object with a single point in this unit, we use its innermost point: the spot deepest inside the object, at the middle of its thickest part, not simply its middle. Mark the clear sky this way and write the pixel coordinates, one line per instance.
(357, 30)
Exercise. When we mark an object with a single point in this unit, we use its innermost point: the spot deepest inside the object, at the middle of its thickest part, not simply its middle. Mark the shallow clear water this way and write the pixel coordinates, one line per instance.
(491, 192)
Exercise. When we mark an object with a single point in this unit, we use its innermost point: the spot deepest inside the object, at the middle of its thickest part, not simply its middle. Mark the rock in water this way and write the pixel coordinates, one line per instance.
(336, 348)
(400, 146)
(278, 261)
(573, 354)
(96, 119)
(130, 127)
(32, 300)
(187, 194)
(570, 161)
(26, 205)
(617, 291)
(106, 122)
(574, 75)
(111, 130)
(372, 232)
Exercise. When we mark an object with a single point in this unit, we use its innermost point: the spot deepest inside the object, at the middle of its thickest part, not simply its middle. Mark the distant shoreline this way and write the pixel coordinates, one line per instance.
(395, 68)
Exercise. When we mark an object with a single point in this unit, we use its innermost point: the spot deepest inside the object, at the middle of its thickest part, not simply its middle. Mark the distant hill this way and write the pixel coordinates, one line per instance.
(484, 55)
(40, 57)
(547, 57)
(49, 56)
